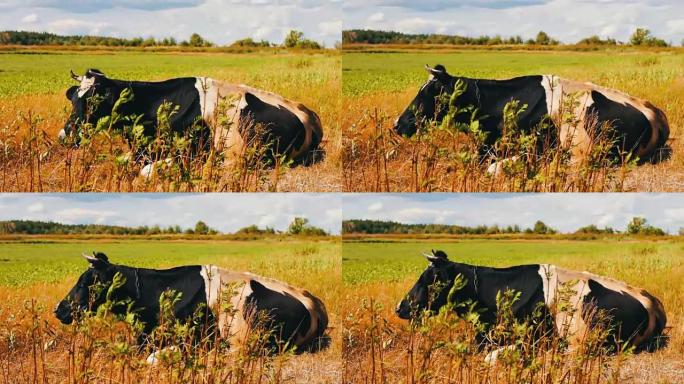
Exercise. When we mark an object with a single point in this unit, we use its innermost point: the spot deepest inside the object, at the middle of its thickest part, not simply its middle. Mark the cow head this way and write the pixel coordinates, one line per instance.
(424, 106)
(85, 295)
(423, 296)
(91, 100)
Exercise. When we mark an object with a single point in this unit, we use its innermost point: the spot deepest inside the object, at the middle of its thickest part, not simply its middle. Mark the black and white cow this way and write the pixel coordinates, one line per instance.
(295, 129)
(294, 315)
(640, 127)
(638, 317)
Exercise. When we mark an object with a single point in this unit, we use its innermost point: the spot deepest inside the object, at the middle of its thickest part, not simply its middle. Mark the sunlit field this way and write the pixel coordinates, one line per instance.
(381, 347)
(33, 109)
(37, 274)
(380, 83)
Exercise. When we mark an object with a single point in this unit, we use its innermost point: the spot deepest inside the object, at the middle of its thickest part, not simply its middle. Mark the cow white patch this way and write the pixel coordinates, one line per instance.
(554, 92)
(212, 283)
(549, 277)
(209, 96)
(86, 84)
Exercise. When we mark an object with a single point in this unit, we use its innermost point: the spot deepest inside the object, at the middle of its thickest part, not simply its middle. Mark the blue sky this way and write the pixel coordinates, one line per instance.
(221, 21)
(566, 20)
(226, 212)
(565, 212)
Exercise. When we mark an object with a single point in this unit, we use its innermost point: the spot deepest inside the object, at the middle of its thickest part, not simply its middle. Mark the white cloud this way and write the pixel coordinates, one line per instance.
(375, 207)
(378, 16)
(30, 18)
(36, 207)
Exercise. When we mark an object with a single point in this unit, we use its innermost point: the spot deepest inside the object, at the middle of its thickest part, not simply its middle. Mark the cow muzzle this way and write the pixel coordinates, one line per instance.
(63, 312)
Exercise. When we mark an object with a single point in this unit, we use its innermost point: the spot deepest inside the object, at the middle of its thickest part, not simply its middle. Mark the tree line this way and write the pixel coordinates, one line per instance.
(298, 226)
(637, 226)
(294, 39)
(640, 37)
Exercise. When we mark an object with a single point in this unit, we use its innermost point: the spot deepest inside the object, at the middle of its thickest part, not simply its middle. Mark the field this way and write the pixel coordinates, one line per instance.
(384, 271)
(378, 85)
(38, 274)
(33, 109)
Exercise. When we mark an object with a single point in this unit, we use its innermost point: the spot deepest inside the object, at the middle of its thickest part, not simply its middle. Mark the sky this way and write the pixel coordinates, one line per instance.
(226, 212)
(220, 21)
(565, 20)
(564, 212)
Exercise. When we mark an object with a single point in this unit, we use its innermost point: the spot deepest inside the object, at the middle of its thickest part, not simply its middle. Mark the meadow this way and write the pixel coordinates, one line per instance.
(38, 273)
(379, 83)
(380, 347)
(33, 109)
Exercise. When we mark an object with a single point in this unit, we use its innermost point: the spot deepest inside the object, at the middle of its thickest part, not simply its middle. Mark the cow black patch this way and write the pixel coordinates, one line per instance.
(524, 279)
(287, 316)
(628, 317)
(279, 124)
(632, 127)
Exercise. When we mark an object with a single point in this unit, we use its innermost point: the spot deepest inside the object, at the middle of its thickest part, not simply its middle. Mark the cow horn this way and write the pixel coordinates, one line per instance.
(433, 71)
(73, 76)
(88, 257)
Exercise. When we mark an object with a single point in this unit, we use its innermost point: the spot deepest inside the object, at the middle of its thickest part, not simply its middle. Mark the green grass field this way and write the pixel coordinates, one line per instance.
(365, 73)
(398, 261)
(27, 263)
(48, 72)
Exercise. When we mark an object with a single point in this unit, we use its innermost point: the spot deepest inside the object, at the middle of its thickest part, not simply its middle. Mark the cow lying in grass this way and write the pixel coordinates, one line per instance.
(634, 127)
(632, 315)
(207, 111)
(293, 316)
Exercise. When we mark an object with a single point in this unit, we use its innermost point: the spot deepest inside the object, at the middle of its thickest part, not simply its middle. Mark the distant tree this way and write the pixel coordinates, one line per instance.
(249, 42)
(596, 40)
(544, 39)
(636, 225)
(300, 226)
(643, 37)
(201, 228)
(295, 39)
(541, 228)
(198, 41)
(640, 226)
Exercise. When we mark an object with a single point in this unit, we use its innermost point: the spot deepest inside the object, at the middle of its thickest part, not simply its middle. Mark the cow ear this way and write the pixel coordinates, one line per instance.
(436, 257)
(71, 91)
(439, 72)
(98, 260)
(94, 72)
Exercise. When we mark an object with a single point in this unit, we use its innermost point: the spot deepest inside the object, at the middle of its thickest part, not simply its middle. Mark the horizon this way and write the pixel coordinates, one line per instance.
(226, 213)
(565, 20)
(265, 19)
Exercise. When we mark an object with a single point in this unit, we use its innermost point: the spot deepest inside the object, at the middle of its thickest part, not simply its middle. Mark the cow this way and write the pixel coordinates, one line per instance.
(296, 317)
(294, 129)
(637, 126)
(633, 315)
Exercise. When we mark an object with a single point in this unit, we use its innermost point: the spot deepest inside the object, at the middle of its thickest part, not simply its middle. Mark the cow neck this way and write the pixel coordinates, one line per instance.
(126, 272)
